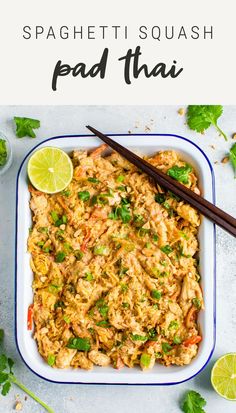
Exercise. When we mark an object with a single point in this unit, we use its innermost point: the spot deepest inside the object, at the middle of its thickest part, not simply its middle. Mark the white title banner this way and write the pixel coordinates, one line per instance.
(154, 52)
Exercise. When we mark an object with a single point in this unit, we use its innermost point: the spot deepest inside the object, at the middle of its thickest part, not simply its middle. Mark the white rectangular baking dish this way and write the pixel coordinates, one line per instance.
(145, 144)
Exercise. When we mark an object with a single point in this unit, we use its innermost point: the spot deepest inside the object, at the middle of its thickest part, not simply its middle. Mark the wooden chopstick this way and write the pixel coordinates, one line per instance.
(209, 210)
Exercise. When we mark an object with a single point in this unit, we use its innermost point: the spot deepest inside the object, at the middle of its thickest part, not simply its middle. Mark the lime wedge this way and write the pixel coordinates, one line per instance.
(223, 376)
(50, 170)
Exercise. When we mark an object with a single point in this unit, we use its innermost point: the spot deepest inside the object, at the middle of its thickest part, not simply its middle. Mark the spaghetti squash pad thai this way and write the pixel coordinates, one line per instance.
(114, 260)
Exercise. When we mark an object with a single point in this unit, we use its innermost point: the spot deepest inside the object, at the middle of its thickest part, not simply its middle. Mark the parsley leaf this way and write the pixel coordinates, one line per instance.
(201, 117)
(232, 157)
(193, 403)
(25, 126)
(180, 173)
(3, 152)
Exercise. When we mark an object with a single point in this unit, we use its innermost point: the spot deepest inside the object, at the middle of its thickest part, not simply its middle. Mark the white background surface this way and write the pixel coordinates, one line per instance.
(120, 119)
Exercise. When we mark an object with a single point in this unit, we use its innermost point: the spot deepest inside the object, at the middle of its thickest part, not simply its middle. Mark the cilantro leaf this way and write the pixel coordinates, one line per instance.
(3, 362)
(3, 152)
(3, 377)
(124, 214)
(78, 343)
(232, 157)
(84, 196)
(201, 117)
(6, 387)
(26, 126)
(180, 173)
(10, 364)
(193, 403)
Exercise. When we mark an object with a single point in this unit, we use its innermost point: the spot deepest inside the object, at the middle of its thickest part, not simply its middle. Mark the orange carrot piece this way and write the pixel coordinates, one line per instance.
(192, 340)
(30, 317)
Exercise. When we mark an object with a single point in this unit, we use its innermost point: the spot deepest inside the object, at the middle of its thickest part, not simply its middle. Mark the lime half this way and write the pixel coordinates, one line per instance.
(223, 376)
(50, 170)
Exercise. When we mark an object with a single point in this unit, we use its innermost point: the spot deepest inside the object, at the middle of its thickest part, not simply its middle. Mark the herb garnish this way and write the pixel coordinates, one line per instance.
(58, 220)
(180, 173)
(84, 195)
(160, 198)
(102, 307)
(3, 152)
(232, 157)
(201, 117)
(193, 403)
(197, 303)
(26, 126)
(94, 180)
(166, 249)
(156, 294)
(137, 337)
(7, 377)
(78, 343)
(60, 256)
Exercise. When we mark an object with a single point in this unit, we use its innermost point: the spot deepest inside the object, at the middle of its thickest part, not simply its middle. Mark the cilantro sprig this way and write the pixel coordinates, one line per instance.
(193, 402)
(7, 378)
(201, 117)
(26, 126)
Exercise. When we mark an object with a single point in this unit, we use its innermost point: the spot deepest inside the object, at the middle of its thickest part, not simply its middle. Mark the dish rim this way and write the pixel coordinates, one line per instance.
(118, 135)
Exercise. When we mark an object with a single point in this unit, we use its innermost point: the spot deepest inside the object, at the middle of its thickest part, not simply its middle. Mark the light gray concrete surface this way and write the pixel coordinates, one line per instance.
(59, 120)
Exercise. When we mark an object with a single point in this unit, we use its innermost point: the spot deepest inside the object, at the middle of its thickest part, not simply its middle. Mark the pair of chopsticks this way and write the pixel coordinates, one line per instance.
(206, 208)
